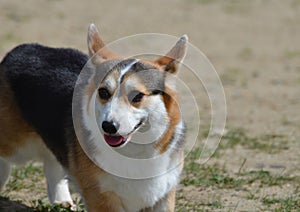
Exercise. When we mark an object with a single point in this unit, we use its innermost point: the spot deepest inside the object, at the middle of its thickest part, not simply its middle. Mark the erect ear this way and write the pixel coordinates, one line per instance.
(97, 46)
(174, 57)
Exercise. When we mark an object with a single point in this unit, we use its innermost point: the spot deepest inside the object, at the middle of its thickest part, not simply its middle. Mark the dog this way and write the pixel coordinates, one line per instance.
(37, 121)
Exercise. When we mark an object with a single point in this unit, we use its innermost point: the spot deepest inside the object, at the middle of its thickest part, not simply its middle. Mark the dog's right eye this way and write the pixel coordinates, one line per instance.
(135, 96)
(104, 93)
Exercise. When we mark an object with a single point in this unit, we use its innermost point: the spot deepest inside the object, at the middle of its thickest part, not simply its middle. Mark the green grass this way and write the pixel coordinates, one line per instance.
(205, 176)
(252, 195)
(295, 4)
(292, 54)
(213, 175)
(28, 171)
(269, 143)
(291, 203)
(252, 183)
(32, 172)
(183, 204)
(266, 179)
(42, 205)
(199, 207)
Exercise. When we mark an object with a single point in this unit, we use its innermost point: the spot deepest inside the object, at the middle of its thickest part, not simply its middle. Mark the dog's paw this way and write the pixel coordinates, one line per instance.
(68, 205)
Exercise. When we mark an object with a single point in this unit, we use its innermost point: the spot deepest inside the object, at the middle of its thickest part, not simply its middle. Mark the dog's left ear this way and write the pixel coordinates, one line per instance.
(170, 62)
(97, 46)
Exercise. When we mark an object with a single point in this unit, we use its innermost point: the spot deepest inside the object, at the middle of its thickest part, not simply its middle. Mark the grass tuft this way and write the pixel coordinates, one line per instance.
(213, 175)
(205, 176)
(291, 203)
(269, 143)
(18, 176)
(42, 205)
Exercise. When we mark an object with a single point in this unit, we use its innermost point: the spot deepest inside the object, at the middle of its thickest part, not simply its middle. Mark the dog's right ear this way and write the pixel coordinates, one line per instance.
(171, 61)
(97, 46)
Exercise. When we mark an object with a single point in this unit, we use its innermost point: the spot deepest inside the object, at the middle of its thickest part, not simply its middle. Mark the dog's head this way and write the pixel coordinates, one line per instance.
(133, 94)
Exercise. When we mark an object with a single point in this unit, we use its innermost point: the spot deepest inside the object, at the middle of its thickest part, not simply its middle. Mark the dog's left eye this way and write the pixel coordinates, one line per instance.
(135, 96)
(104, 93)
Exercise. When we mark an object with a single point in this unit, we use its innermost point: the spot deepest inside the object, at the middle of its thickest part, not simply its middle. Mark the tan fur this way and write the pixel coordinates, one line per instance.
(114, 74)
(170, 199)
(14, 131)
(166, 204)
(141, 88)
(171, 103)
(87, 176)
(153, 63)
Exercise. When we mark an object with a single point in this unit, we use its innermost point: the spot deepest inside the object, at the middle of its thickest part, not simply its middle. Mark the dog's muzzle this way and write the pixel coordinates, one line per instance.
(117, 140)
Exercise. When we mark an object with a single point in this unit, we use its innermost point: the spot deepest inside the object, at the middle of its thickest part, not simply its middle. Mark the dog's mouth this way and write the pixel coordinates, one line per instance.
(118, 140)
(114, 141)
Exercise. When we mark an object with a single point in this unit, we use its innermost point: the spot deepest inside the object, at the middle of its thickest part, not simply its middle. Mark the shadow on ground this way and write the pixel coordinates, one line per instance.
(7, 205)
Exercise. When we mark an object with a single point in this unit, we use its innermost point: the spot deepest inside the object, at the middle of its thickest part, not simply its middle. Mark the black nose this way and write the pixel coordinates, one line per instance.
(109, 127)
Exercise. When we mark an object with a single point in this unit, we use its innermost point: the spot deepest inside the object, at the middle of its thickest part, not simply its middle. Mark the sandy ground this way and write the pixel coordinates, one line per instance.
(254, 46)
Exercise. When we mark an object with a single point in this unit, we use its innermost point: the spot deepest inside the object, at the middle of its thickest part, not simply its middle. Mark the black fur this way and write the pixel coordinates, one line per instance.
(42, 80)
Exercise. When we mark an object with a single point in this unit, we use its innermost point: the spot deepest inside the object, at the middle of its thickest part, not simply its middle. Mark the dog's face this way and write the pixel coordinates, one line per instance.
(132, 94)
(130, 97)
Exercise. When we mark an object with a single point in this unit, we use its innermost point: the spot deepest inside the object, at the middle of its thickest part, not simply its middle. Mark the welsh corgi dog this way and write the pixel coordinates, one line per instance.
(128, 96)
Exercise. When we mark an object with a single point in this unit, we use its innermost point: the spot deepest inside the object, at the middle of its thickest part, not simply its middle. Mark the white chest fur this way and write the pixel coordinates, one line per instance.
(141, 193)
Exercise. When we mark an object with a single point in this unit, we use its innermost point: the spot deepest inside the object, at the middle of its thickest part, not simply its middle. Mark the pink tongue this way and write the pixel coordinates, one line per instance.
(113, 140)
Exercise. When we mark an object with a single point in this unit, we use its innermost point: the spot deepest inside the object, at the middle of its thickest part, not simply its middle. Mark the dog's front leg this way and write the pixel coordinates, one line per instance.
(57, 183)
(97, 202)
(166, 204)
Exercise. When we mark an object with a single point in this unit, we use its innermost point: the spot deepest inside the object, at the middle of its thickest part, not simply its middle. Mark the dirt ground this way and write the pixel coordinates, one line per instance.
(254, 46)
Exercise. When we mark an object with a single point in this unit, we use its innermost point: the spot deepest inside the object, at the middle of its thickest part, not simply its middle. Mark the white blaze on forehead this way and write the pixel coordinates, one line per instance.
(110, 83)
(126, 69)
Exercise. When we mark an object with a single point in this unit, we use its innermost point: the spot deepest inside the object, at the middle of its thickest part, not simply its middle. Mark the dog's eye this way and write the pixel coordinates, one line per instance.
(104, 93)
(156, 92)
(135, 96)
